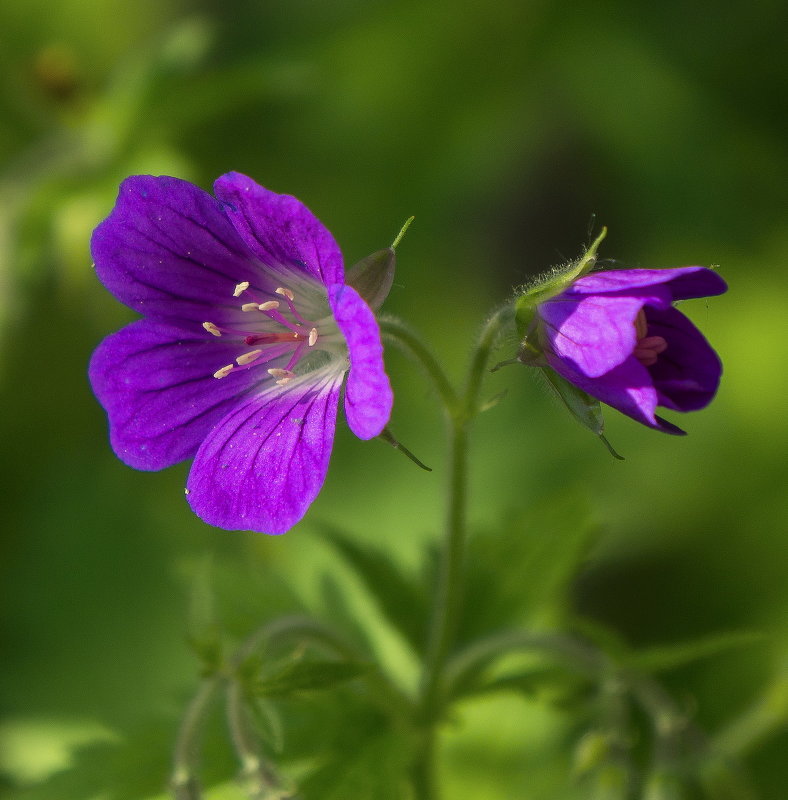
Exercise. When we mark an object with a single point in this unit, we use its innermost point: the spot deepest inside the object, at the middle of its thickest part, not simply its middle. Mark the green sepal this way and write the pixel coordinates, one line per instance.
(372, 276)
(584, 408)
(550, 284)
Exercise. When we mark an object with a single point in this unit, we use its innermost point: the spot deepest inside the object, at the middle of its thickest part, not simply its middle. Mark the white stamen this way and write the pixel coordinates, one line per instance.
(282, 381)
(247, 358)
(211, 328)
(285, 293)
(312, 337)
(240, 288)
(269, 305)
(224, 371)
(250, 307)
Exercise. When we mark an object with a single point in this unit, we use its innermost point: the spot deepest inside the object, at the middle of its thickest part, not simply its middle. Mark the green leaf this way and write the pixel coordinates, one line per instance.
(372, 770)
(525, 567)
(400, 597)
(656, 659)
(308, 676)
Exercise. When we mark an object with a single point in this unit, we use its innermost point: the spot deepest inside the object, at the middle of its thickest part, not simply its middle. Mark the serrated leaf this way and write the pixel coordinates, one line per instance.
(400, 597)
(656, 659)
(526, 567)
(374, 770)
(308, 676)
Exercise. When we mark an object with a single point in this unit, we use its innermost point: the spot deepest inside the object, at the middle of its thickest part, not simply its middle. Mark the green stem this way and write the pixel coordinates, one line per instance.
(478, 367)
(447, 604)
(399, 333)
(184, 782)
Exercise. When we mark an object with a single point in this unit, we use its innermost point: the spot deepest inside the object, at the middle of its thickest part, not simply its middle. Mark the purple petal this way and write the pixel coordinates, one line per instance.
(279, 229)
(627, 388)
(368, 395)
(263, 464)
(687, 374)
(156, 383)
(167, 250)
(596, 333)
(683, 282)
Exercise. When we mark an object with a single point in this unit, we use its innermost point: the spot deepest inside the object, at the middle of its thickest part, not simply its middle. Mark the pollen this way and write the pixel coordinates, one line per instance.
(312, 337)
(250, 307)
(269, 305)
(240, 288)
(211, 328)
(224, 371)
(247, 358)
(285, 293)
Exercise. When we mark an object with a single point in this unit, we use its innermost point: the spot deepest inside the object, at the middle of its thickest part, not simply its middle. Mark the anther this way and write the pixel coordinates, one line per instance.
(641, 326)
(247, 358)
(211, 328)
(250, 307)
(284, 375)
(285, 293)
(312, 337)
(240, 288)
(224, 371)
(269, 305)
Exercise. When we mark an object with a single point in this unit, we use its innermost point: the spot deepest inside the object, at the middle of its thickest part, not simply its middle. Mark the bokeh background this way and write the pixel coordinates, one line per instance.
(510, 130)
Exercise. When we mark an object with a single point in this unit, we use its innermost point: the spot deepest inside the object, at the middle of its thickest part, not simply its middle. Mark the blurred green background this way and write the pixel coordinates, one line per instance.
(504, 128)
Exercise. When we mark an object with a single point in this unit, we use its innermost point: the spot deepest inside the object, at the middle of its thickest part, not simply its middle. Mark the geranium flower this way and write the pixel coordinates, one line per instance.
(248, 332)
(617, 336)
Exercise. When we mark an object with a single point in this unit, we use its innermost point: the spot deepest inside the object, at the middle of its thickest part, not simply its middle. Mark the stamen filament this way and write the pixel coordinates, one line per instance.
(296, 355)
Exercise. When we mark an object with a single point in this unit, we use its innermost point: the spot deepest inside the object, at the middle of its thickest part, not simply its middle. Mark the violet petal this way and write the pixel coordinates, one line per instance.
(263, 464)
(279, 229)
(368, 395)
(596, 333)
(627, 388)
(156, 383)
(687, 374)
(167, 250)
(683, 282)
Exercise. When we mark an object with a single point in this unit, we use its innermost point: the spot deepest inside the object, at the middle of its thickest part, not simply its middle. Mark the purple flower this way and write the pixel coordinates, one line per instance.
(617, 336)
(248, 331)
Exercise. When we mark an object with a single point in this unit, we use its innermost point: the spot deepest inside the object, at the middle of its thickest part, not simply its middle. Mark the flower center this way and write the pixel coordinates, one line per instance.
(276, 329)
(647, 348)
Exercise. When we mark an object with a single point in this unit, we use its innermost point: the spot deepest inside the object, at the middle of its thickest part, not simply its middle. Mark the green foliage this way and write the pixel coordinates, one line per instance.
(402, 598)
(299, 677)
(522, 571)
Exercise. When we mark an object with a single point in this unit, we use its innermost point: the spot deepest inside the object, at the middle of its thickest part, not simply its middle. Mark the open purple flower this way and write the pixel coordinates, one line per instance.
(617, 336)
(248, 331)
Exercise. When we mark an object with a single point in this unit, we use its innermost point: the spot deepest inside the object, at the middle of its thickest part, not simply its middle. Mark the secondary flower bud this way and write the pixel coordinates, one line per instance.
(617, 337)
